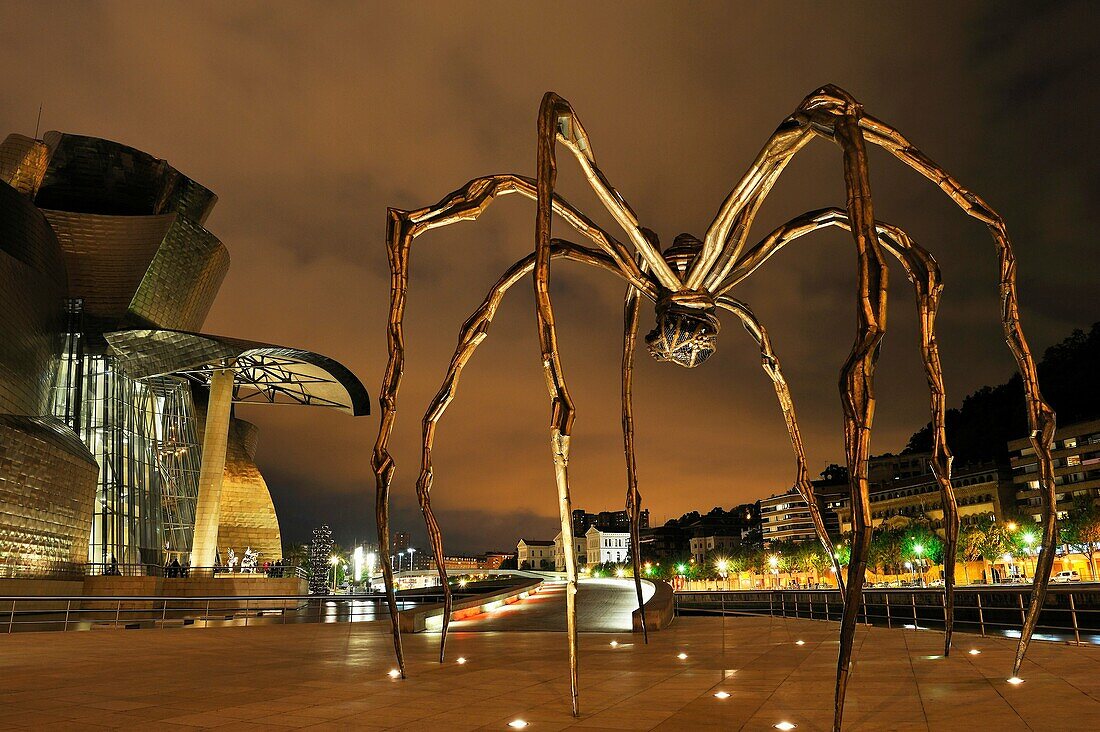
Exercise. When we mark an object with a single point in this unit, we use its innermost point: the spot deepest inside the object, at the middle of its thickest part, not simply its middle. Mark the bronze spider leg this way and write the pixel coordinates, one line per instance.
(857, 375)
(473, 332)
(463, 204)
(924, 273)
(770, 363)
(563, 124)
(633, 497)
(557, 119)
(1040, 416)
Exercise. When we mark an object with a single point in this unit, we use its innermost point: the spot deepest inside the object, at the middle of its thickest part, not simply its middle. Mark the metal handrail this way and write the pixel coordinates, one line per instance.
(112, 569)
(82, 612)
(882, 606)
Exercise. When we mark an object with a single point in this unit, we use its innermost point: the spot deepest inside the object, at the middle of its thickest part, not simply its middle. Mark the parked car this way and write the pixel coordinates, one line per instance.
(1066, 576)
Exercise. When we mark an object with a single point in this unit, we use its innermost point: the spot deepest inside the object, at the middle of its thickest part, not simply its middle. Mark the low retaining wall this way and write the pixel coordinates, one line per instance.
(430, 617)
(659, 610)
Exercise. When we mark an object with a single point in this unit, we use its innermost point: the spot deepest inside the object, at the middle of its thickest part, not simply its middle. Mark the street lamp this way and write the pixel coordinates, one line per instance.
(918, 549)
(909, 566)
(1029, 539)
(411, 550)
(773, 562)
(335, 562)
(723, 567)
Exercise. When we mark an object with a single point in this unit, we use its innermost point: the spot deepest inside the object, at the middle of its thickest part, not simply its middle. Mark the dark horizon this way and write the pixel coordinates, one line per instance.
(308, 122)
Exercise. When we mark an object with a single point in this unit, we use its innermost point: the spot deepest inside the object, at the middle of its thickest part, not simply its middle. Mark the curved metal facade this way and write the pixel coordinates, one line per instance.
(106, 271)
(248, 517)
(32, 290)
(47, 489)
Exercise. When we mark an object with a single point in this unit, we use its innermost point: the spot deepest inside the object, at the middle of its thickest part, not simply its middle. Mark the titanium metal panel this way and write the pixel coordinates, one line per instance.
(107, 258)
(183, 279)
(23, 162)
(32, 291)
(97, 176)
(47, 489)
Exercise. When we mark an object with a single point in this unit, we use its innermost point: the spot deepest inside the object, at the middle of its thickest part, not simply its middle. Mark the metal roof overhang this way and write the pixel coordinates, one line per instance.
(263, 372)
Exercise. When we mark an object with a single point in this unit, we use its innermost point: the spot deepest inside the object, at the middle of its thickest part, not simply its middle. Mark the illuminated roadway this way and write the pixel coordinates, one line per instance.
(603, 606)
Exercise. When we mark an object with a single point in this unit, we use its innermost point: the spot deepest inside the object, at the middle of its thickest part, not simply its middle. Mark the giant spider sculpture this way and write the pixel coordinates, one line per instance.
(689, 282)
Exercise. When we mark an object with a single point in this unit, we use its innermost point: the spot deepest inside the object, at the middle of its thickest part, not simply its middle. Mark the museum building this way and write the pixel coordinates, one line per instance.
(119, 450)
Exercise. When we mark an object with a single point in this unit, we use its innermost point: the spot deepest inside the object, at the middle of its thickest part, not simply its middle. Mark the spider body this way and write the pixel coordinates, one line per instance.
(689, 283)
(687, 328)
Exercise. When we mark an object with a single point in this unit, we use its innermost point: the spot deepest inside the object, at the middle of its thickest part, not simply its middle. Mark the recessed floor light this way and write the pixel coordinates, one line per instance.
(614, 644)
(722, 695)
(1015, 680)
(517, 724)
(394, 673)
(785, 726)
(460, 659)
(974, 652)
(682, 656)
(800, 642)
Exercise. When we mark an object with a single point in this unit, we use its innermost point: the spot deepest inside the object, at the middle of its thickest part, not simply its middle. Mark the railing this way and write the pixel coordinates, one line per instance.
(1068, 615)
(96, 612)
(157, 570)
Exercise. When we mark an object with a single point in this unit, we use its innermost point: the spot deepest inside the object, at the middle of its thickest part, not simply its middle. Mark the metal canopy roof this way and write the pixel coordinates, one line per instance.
(262, 372)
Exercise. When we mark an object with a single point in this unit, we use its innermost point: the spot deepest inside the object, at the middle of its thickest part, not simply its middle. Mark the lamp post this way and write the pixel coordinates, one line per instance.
(918, 549)
(773, 562)
(411, 550)
(909, 566)
(723, 568)
(335, 562)
(1029, 539)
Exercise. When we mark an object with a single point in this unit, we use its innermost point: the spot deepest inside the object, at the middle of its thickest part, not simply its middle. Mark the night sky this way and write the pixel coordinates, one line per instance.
(308, 121)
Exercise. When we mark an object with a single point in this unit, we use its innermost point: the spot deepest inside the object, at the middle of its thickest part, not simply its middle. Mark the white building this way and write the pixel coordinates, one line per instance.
(606, 546)
(534, 554)
(580, 548)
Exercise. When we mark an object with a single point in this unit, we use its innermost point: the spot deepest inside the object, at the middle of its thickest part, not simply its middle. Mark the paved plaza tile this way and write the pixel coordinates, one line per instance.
(335, 677)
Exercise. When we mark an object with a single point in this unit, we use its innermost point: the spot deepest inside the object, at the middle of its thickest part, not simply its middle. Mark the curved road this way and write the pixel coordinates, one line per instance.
(603, 606)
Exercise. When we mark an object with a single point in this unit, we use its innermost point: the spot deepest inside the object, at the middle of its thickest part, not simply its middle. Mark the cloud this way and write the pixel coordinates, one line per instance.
(308, 121)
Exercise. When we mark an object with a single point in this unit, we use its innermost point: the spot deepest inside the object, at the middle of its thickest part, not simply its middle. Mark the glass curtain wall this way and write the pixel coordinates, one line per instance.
(142, 434)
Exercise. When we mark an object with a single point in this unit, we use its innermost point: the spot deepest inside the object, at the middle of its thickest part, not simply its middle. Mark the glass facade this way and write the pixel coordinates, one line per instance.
(142, 434)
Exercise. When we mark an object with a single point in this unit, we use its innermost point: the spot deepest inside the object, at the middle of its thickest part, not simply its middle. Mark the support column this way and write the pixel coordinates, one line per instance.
(214, 442)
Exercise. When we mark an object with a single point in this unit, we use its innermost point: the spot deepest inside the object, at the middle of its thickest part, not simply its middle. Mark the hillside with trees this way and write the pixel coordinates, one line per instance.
(993, 415)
